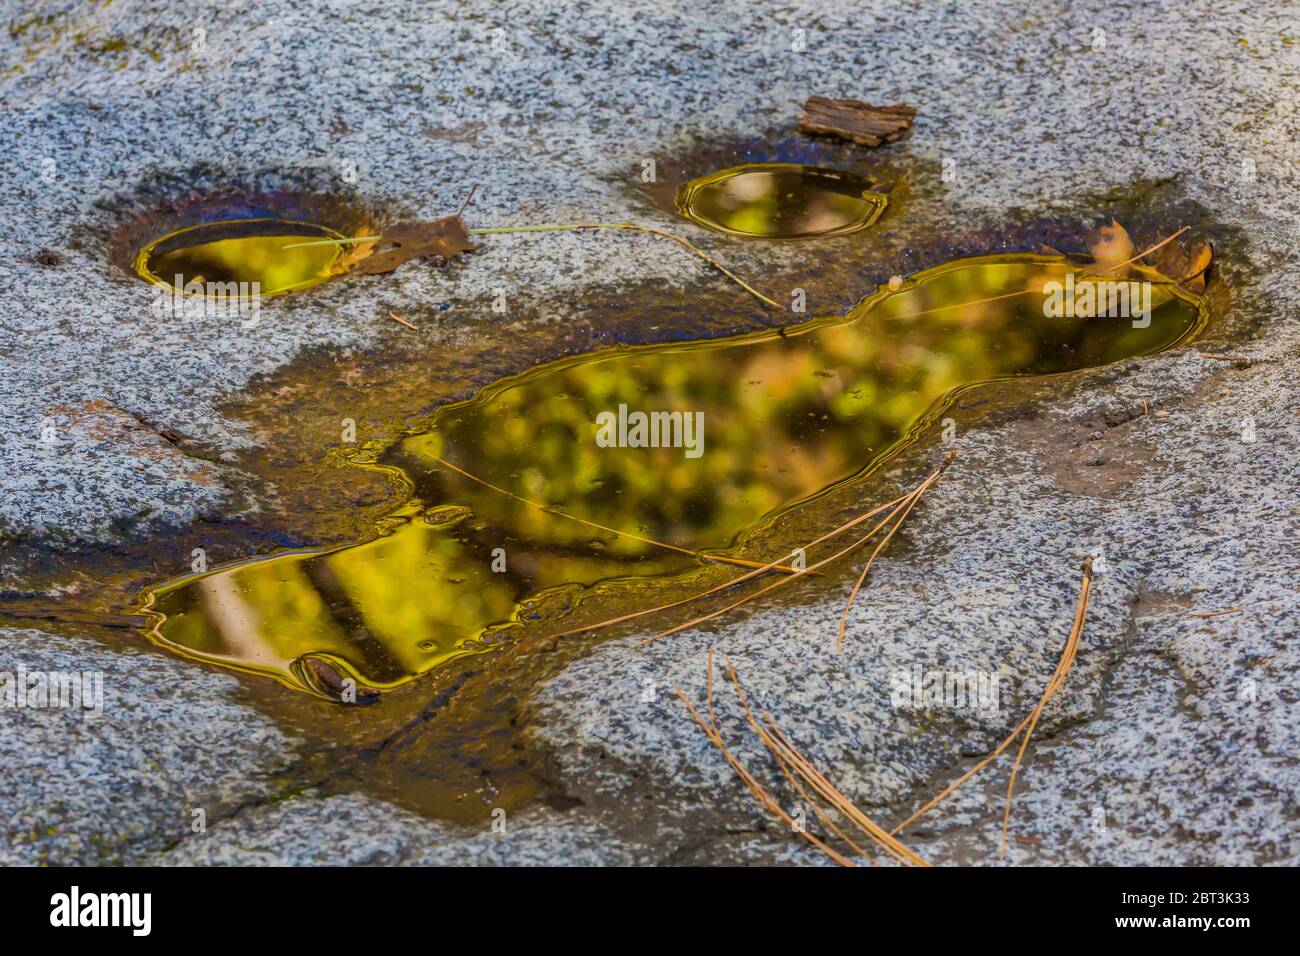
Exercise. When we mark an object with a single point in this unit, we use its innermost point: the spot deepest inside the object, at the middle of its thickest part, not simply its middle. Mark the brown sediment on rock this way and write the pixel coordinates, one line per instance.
(855, 120)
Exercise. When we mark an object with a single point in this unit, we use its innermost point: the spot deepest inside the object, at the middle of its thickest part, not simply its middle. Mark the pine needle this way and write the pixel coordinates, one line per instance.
(1058, 678)
(472, 190)
(1145, 252)
(848, 605)
(727, 585)
(1206, 614)
(810, 784)
(332, 242)
(952, 787)
(710, 728)
(761, 591)
(787, 770)
(549, 509)
(1063, 666)
(571, 227)
(792, 761)
(902, 507)
(562, 227)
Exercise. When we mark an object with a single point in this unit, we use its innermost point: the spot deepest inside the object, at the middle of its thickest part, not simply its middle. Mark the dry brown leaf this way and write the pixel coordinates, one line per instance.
(1202, 255)
(445, 238)
(1171, 260)
(1185, 267)
(351, 255)
(1110, 247)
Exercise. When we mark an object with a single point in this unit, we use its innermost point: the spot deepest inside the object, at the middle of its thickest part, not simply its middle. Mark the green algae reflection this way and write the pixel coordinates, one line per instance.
(782, 418)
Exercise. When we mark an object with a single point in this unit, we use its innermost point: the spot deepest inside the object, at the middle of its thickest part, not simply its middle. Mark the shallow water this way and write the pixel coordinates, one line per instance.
(750, 429)
(781, 201)
(240, 251)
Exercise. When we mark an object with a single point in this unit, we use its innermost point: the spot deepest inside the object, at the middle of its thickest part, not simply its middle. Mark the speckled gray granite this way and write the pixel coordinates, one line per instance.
(1175, 739)
(108, 784)
(355, 830)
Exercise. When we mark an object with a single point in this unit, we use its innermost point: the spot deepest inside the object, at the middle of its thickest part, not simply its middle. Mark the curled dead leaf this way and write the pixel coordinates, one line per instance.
(1185, 267)
(443, 238)
(1110, 247)
(1202, 255)
(1115, 256)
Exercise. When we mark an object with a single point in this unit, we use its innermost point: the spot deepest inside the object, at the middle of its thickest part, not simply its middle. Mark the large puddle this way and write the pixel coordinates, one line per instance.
(547, 492)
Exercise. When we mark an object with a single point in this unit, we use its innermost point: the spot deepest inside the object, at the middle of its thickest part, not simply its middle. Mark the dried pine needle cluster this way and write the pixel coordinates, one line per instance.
(829, 804)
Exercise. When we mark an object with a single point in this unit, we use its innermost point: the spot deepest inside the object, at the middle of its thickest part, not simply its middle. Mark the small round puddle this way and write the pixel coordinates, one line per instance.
(781, 201)
(252, 251)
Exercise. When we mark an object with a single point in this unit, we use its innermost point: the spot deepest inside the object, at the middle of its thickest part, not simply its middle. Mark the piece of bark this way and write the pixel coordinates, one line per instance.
(445, 238)
(855, 120)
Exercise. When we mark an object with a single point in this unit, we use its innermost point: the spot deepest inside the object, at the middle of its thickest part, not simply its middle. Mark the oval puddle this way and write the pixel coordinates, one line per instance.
(781, 201)
(598, 479)
(248, 256)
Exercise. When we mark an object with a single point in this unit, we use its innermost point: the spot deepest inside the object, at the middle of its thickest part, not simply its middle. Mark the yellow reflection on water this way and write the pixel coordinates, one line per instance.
(240, 250)
(781, 201)
(783, 418)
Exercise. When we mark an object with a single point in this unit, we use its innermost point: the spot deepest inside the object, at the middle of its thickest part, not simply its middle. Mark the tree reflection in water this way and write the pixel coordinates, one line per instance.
(785, 416)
